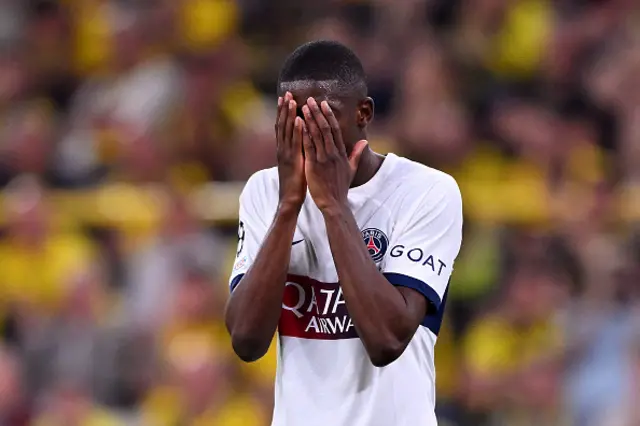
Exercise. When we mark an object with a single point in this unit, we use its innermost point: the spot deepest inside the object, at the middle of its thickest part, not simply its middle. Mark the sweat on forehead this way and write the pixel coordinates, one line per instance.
(327, 87)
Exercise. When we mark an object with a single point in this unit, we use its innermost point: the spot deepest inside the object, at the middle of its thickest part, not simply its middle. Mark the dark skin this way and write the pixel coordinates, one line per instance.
(336, 157)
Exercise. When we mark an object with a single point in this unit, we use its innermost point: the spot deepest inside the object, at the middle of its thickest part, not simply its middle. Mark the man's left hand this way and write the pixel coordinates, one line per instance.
(328, 168)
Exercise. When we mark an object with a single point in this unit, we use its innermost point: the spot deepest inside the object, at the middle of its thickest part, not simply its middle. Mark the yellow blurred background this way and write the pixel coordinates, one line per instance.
(128, 128)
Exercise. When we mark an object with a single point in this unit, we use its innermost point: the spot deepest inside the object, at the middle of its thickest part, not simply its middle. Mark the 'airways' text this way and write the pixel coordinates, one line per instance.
(314, 310)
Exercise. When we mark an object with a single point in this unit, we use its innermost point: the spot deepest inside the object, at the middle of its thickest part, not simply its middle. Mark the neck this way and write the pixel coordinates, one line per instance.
(370, 162)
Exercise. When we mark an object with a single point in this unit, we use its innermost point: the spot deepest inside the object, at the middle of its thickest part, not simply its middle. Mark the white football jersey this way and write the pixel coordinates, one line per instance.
(410, 216)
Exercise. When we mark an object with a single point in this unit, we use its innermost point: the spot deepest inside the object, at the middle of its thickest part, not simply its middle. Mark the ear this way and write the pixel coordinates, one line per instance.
(365, 112)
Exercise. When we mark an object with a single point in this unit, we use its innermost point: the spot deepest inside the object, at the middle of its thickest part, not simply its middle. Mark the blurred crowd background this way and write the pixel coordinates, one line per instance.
(127, 129)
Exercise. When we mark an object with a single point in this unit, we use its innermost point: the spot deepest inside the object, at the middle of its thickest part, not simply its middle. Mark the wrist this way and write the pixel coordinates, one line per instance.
(336, 211)
(288, 211)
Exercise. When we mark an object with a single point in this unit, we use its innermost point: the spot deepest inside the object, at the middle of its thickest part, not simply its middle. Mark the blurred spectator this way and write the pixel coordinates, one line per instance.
(69, 404)
(217, 99)
(626, 411)
(196, 354)
(76, 345)
(14, 408)
(156, 269)
(198, 393)
(133, 96)
(38, 258)
(431, 124)
(511, 352)
(601, 339)
(194, 322)
(28, 134)
(115, 115)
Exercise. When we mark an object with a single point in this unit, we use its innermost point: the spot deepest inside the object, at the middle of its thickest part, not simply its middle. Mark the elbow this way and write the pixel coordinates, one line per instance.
(248, 348)
(386, 353)
(250, 343)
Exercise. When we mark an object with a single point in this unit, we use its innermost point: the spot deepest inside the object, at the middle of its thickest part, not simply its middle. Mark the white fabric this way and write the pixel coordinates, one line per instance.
(411, 220)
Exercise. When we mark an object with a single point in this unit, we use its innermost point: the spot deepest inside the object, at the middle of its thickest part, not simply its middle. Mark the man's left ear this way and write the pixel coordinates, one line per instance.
(365, 112)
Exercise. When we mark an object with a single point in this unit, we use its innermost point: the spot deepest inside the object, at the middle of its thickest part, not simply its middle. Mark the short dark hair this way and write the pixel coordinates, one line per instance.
(325, 60)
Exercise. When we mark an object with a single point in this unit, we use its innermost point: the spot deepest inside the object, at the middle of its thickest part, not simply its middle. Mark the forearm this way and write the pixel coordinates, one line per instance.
(377, 308)
(253, 309)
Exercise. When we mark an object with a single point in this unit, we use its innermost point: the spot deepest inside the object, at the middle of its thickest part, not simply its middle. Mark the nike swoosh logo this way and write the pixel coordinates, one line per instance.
(296, 242)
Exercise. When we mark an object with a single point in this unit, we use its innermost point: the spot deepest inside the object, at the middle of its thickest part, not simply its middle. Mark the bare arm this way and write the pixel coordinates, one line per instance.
(385, 316)
(253, 309)
(386, 309)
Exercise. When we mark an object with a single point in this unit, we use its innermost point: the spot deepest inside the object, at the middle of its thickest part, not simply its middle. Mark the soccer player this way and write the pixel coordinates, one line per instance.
(346, 253)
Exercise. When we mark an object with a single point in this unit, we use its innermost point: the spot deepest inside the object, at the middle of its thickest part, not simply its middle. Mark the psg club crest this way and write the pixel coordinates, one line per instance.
(377, 243)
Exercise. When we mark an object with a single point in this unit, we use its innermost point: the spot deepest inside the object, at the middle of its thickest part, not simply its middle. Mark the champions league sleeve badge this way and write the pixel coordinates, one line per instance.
(377, 243)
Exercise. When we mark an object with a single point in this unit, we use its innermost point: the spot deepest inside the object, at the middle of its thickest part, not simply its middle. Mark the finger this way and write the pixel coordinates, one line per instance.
(281, 101)
(314, 134)
(356, 154)
(291, 117)
(281, 122)
(297, 136)
(323, 125)
(335, 127)
(278, 111)
(307, 144)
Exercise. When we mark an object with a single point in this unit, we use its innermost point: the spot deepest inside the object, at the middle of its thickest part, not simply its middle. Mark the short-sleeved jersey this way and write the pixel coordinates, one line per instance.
(410, 217)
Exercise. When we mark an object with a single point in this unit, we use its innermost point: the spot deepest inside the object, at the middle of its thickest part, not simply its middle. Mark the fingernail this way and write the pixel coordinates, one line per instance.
(311, 101)
(292, 105)
(297, 122)
(306, 110)
(325, 105)
(288, 95)
(279, 101)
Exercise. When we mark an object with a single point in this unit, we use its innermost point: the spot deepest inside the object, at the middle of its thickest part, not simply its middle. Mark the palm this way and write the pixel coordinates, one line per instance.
(312, 180)
(300, 176)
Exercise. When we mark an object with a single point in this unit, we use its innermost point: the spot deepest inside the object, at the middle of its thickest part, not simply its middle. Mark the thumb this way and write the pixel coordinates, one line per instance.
(356, 153)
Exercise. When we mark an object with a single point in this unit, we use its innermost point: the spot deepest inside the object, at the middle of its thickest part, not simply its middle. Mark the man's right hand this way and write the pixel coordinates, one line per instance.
(293, 185)
(254, 308)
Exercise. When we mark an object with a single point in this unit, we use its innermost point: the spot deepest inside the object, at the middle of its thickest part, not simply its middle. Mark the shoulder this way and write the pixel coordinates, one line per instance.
(422, 179)
(424, 186)
(263, 184)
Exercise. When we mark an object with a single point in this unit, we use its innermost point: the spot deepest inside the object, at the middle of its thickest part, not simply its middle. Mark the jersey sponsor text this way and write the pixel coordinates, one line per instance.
(314, 310)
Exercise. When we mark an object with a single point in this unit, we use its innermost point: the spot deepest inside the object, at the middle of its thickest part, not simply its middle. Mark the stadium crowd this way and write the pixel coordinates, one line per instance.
(128, 127)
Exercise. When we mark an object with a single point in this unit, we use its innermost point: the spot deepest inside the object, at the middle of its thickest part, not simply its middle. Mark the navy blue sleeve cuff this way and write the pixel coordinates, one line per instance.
(234, 282)
(421, 287)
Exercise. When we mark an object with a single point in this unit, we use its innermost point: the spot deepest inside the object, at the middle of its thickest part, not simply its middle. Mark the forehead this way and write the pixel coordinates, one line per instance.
(319, 90)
